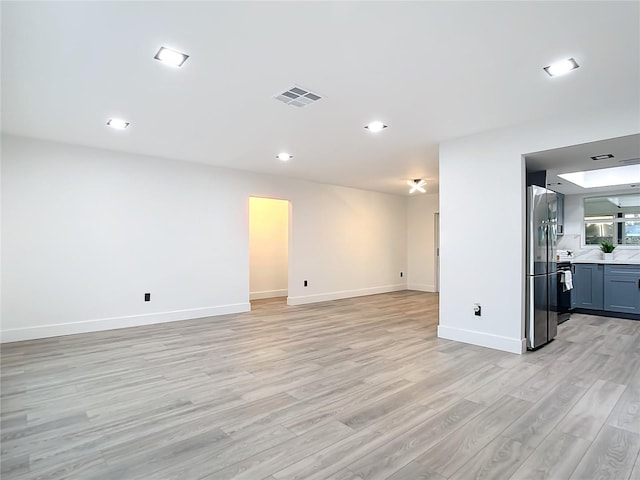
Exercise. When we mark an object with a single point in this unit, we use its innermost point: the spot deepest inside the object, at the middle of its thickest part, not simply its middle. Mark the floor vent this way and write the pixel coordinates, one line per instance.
(298, 97)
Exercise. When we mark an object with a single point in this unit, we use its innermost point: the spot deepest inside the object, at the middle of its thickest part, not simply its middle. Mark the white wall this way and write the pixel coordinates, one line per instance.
(86, 232)
(421, 258)
(482, 211)
(268, 247)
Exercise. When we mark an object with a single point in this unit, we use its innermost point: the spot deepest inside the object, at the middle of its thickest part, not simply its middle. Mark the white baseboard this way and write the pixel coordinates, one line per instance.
(56, 330)
(506, 344)
(268, 294)
(421, 287)
(361, 292)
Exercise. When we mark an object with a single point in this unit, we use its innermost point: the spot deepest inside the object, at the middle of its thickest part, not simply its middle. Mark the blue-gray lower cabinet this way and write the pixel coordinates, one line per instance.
(622, 288)
(588, 286)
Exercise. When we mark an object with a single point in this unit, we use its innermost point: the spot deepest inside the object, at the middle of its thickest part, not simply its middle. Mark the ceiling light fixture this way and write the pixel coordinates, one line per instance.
(171, 57)
(602, 157)
(118, 124)
(375, 127)
(561, 67)
(284, 156)
(417, 185)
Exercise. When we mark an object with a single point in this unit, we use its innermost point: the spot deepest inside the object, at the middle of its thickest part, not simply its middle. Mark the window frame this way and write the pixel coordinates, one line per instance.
(616, 220)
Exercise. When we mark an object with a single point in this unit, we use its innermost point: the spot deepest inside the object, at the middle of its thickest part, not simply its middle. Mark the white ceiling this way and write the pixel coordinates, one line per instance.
(432, 71)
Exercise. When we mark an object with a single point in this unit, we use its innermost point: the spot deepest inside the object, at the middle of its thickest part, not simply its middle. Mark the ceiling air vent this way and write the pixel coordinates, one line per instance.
(298, 97)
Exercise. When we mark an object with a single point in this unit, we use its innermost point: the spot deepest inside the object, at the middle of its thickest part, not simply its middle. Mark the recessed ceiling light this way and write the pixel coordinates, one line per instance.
(375, 127)
(118, 124)
(284, 156)
(417, 184)
(171, 57)
(602, 157)
(561, 67)
(605, 177)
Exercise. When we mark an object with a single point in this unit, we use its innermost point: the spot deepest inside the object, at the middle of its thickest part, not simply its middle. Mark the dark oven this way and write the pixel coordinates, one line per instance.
(564, 296)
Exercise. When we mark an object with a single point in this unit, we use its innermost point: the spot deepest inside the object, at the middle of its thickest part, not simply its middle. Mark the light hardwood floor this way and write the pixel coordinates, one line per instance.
(348, 390)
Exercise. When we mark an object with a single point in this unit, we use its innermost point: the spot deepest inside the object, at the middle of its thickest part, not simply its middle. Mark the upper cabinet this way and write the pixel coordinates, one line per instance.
(540, 179)
(537, 178)
(560, 213)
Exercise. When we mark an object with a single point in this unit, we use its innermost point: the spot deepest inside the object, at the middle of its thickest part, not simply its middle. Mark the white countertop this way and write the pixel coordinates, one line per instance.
(621, 261)
(625, 255)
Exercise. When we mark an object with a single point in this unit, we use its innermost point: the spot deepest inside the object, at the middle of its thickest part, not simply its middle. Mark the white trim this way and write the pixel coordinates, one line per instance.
(436, 252)
(497, 342)
(324, 297)
(421, 287)
(268, 294)
(56, 330)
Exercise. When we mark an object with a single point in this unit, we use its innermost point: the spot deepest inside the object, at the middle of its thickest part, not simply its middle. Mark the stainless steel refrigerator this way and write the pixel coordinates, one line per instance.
(541, 271)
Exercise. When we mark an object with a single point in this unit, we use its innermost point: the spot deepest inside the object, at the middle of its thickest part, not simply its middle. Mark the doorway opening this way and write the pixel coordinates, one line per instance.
(268, 248)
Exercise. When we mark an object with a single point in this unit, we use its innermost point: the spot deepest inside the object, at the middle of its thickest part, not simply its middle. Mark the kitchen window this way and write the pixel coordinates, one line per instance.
(614, 219)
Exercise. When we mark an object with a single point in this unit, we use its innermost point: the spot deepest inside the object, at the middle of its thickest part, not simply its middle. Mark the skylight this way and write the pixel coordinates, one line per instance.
(606, 177)
(624, 201)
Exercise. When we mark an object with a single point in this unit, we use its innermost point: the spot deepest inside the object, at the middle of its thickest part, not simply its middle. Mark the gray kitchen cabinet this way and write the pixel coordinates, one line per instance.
(560, 207)
(622, 288)
(588, 286)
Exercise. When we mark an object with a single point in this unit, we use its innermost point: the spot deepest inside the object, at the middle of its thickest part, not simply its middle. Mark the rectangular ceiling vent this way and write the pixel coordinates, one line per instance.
(298, 97)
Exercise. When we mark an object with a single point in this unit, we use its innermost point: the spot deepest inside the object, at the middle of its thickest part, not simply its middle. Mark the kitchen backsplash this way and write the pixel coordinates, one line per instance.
(572, 243)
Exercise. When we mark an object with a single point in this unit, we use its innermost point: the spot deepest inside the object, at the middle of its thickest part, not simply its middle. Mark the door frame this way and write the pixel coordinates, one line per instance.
(289, 242)
(436, 234)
